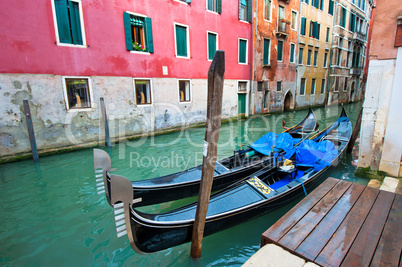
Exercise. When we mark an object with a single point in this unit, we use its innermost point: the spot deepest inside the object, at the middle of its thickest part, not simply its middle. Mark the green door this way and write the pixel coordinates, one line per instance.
(242, 104)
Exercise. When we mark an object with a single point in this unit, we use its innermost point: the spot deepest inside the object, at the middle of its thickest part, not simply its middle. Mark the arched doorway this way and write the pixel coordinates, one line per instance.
(352, 91)
(288, 102)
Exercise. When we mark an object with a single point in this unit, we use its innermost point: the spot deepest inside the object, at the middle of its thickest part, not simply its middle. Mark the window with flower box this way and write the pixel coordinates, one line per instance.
(138, 33)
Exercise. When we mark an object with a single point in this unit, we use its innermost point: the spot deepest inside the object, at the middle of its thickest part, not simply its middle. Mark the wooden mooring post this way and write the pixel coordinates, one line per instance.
(31, 133)
(104, 116)
(214, 111)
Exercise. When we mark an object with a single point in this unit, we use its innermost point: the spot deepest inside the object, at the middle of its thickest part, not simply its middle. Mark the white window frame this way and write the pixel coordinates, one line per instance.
(56, 27)
(305, 82)
(336, 89)
(181, 1)
(329, 35)
(315, 59)
(298, 55)
(270, 13)
(276, 88)
(92, 108)
(277, 45)
(150, 91)
(294, 53)
(345, 83)
(217, 43)
(238, 51)
(315, 85)
(211, 11)
(326, 61)
(190, 90)
(311, 54)
(188, 40)
(294, 11)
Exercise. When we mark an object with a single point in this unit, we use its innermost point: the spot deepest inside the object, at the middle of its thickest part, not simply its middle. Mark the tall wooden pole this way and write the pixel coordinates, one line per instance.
(214, 110)
(107, 135)
(31, 132)
(355, 132)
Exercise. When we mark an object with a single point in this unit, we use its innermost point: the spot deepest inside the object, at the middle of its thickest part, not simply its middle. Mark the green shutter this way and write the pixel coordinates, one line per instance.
(352, 23)
(63, 24)
(303, 26)
(149, 40)
(331, 7)
(315, 28)
(211, 45)
(181, 41)
(316, 3)
(187, 1)
(280, 51)
(318, 30)
(210, 5)
(219, 6)
(322, 5)
(240, 10)
(127, 31)
(75, 22)
(307, 1)
(343, 17)
(292, 52)
(249, 10)
(242, 51)
(266, 52)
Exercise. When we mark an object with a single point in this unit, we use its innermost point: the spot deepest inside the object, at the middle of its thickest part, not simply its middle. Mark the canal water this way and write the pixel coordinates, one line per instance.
(51, 214)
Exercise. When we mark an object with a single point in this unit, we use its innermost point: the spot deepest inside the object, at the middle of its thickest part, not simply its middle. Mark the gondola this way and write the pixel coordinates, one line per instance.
(258, 194)
(186, 183)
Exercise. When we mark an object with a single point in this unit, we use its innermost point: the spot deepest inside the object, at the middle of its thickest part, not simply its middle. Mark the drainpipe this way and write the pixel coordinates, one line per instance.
(253, 68)
(297, 54)
(331, 52)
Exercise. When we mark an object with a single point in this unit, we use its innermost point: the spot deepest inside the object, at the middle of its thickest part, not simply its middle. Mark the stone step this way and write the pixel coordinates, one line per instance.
(389, 184)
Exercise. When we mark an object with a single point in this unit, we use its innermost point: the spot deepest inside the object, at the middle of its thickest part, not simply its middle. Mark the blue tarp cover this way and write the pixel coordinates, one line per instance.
(270, 142)
(316, 154)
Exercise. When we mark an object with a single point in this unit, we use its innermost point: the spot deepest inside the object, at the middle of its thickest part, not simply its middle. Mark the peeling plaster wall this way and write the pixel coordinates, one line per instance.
(57, 127)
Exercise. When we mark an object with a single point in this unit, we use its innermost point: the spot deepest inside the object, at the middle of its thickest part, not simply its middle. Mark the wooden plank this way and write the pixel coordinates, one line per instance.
(214, 110)
(105, 122)
(363, 247)
(283, 225)
(31, 131)
(292, 239)
(340, 242)
(388, 252)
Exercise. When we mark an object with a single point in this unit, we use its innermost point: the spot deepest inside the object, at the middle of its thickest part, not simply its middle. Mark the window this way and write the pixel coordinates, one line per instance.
(184, 91)
(352, 22)
(309, 57)
(325, 59)
(302, 86)
(342, 19)
(339, 58)
(294, 20)
(138, 33)
(212, 44)
(243, 51)
(242, 86)
(336, 84)
(322, 86)
(69, 26)
(77, 94)
(303, 26)
(327, 36)
(281, 12)
(331, 7)
(348, 54)
(279, 56)
(292, 53)
(318, 3)
(315, 58)
(214, 5)
(301, 50)
(345, 86)
(315, 29)
(143, 91)
(267, 9)
(245, 10)
(182, 44)
(305, 1)
(278, 86)
(267, 49)
(312, 91)
(259, 86)
(321, 4)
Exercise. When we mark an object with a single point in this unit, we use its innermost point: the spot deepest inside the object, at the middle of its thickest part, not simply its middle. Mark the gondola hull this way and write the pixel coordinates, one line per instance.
(186, 183)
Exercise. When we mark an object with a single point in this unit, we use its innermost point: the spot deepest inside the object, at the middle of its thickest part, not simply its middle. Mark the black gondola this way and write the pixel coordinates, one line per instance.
(259, 193)
(186, 183)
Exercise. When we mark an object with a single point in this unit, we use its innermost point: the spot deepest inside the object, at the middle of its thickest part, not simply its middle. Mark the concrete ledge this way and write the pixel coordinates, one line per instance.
(389, 184)
(273, 255)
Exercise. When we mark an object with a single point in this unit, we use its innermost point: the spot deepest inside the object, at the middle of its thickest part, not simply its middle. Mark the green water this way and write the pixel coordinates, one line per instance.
(51, 215)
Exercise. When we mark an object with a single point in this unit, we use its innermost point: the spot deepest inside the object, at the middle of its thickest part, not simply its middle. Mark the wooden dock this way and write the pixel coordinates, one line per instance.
(342, 224)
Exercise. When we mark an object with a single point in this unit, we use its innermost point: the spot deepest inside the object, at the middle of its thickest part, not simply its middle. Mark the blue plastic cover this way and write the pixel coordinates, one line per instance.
(316, 154)
(333, 126)
(270, 142)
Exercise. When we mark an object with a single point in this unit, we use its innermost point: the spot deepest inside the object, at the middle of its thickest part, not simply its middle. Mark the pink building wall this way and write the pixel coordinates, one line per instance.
(27, 40)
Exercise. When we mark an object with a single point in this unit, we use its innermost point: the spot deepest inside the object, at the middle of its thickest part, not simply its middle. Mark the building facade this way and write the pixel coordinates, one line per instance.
(274, 64)
(380, 145)
(348, 50)
(316, 27)
(148, 60)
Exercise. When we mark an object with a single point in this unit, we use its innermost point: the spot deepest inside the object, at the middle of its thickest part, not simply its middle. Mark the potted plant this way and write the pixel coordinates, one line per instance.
(138, 47)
